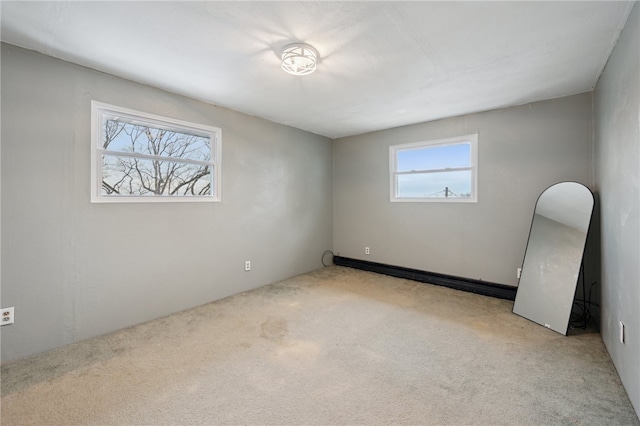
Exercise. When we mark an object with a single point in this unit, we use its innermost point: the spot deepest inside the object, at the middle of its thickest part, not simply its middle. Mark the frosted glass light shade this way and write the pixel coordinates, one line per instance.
(299, 59)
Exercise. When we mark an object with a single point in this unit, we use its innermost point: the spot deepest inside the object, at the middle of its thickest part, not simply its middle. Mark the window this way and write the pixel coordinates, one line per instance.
(442, 170)
(146, 158)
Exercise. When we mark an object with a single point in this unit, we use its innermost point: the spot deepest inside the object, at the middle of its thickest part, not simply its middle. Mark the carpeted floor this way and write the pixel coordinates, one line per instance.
(335, 346)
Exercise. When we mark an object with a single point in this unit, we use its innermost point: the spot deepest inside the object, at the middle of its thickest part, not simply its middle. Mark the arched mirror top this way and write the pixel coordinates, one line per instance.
(570, 203)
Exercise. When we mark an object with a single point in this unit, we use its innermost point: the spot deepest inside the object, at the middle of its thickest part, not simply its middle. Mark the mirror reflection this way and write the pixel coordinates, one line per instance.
(554, 254)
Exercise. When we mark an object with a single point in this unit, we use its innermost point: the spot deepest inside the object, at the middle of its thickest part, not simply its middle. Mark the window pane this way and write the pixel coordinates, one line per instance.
(435, 185)
(126, 137)
(135, 176)
(434, 157)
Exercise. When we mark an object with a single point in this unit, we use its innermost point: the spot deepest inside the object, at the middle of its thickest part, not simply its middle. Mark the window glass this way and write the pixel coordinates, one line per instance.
(435, 185)
(434, 157)
(143, 177)
(147, 139)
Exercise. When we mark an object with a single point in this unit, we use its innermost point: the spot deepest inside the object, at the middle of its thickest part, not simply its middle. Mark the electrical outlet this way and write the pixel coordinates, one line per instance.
(621, 332)
(367, 251)
(7, 316)
(247, 265)
(518, 272)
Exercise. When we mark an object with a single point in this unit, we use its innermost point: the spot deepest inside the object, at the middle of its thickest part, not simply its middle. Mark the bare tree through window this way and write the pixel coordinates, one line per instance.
(144, 160)
(142, 157)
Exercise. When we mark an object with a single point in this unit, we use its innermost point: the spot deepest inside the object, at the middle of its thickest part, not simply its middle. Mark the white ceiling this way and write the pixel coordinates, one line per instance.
(383, 64)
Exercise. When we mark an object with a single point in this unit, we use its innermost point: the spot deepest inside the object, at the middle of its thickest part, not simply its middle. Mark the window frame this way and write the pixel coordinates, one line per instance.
(100, 112)
(471, 139)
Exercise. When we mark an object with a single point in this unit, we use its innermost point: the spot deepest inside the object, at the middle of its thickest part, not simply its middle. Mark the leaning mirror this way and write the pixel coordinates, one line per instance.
(553, 255)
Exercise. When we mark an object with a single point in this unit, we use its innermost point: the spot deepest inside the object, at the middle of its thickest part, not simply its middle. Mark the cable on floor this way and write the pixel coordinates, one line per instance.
(581, 312)
(324, 255)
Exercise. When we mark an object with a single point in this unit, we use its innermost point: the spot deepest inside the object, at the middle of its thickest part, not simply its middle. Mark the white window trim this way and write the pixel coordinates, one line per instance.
(393, 150)
(98, 112)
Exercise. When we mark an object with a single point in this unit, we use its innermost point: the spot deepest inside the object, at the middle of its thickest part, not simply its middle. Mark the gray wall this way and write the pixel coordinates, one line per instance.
(73, 269)
(617, 155)
(521, 151)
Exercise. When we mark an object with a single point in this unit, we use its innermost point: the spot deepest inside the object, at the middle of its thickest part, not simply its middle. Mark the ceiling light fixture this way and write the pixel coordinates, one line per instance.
(299, 59)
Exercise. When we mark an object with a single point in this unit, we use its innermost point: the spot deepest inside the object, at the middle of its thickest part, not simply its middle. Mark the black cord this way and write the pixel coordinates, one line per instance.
(595, 304)
(581, 318)
(581, 313)
(324, 254)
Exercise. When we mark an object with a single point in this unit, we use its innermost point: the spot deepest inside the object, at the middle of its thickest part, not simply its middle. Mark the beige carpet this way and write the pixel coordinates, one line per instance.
(335, 346)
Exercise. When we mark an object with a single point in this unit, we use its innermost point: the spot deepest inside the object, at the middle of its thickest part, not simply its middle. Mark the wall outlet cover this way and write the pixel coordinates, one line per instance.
(7, 316)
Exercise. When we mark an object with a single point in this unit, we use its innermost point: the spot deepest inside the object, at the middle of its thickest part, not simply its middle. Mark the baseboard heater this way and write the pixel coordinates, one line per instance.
(485, 288)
